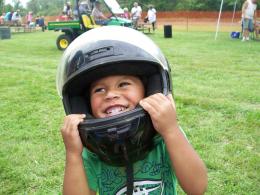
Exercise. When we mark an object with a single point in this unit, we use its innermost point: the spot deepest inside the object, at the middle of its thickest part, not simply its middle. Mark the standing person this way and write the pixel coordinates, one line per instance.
(29, 18)
(9, 16)
(99, 17)
(136, 13)
(2, 18)
(248, 17)
(151, 15)
(84, 7)
(6, 18)
(68, 10)
(126, 13)
(16, 18)
(42, 23)
(106, 84)
(37, 18)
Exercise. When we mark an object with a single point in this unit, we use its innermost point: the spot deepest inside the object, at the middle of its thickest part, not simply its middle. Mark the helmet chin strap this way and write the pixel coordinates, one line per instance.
(129, 173)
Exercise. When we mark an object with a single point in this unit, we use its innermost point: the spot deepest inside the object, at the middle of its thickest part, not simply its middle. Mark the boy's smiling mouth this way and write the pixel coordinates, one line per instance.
(114, 110)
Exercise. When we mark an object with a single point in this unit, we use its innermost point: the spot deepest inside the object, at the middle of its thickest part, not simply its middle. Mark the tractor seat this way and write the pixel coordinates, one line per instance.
(88, 22)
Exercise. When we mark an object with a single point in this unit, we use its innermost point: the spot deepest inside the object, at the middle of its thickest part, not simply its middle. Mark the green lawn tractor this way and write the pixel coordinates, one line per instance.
(73, 28)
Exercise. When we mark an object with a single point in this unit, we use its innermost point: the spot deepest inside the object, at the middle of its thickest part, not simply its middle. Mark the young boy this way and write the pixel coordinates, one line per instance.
(104, 81)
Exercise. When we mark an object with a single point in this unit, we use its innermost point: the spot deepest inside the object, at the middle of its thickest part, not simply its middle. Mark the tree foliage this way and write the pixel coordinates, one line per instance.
(16, 4)
(46, 7)
(1, 6)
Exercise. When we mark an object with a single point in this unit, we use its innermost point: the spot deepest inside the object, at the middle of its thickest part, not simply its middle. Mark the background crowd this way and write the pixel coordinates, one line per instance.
(94, 8)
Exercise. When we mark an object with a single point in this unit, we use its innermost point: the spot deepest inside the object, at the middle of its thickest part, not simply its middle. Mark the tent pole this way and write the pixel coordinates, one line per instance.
(220, 11)
(234, 11)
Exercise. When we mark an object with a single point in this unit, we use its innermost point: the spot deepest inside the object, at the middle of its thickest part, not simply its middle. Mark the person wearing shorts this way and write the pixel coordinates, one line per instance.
(248, 17)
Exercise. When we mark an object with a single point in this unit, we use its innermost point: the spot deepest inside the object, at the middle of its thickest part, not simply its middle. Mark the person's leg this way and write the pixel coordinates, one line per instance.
(105, 22)
(247, 34)
(135, 23)
(98, 22)
(250, 27)
(101, 22)
(245, 29)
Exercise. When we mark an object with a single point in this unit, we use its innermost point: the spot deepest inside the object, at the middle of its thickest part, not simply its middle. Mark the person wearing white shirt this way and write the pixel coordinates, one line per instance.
(99, 17)
(136, 13)
(151, 15)
(248, 17)
(16, 18)
(84, 7)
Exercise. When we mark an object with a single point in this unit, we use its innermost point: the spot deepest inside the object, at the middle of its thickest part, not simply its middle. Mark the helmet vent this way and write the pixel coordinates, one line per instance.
(76, 63)
(99, 53)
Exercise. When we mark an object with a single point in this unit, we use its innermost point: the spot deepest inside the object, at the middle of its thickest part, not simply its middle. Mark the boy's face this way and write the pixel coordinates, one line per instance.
(113, 95)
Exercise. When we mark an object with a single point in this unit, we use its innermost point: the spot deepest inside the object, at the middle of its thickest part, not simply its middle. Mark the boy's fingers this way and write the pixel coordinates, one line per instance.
(72, 121)
(152, 100)
(169, 96)
(83, 116)
(150, 109)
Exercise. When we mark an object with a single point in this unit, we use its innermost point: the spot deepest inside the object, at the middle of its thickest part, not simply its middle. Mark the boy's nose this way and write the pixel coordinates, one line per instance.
(112, 94)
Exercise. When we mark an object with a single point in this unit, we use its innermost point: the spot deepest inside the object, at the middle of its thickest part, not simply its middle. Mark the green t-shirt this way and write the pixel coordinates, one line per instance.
(152, 175)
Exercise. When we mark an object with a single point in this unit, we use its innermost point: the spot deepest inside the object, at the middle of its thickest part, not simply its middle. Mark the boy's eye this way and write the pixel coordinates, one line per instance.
(123, 84)
(98, 90)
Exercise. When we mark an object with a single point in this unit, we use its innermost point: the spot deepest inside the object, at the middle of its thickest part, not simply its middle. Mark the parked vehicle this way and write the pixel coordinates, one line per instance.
(73, 28)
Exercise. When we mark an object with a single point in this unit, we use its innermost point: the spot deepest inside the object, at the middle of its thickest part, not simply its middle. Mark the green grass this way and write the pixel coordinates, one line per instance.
(216, 87)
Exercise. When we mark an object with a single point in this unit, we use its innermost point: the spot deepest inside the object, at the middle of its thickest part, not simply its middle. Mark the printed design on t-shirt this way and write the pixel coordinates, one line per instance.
(158, 170)
(110, 178)
(145, 188)
(151, 178)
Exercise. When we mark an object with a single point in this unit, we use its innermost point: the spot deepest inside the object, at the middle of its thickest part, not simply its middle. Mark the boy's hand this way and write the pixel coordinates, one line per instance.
(70, 134)
(161, 109)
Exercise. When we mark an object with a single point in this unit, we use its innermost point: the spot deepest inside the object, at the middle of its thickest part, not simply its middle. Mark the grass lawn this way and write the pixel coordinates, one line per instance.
(216, 88)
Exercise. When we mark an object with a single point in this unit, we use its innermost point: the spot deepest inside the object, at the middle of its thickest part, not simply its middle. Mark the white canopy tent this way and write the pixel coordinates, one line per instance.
(219, 16)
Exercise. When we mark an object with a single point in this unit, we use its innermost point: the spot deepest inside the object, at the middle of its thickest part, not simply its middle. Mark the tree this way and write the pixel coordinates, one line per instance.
(2, 2)
(17, 4)
(46, 7)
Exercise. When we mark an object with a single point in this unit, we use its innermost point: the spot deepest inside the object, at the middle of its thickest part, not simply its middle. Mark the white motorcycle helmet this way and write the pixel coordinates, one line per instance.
(112, 50)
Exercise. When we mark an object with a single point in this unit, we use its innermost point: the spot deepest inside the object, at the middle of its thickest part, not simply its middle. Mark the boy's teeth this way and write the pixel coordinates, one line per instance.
(115, 110)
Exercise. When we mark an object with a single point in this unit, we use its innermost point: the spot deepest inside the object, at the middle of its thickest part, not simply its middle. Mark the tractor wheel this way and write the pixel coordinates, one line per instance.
(63, 41)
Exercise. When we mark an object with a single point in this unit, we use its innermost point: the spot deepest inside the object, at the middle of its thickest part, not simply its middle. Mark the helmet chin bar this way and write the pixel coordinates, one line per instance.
(120, 139)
